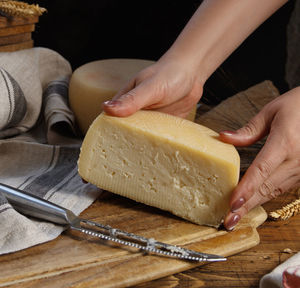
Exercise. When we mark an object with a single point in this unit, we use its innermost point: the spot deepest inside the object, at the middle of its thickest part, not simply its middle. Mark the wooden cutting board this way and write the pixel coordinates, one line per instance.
(75, 260)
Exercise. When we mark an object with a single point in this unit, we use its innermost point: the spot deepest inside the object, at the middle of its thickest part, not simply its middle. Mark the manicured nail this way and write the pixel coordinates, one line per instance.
(233, 221)
(112, 103)
(237, 204)
(228, 133)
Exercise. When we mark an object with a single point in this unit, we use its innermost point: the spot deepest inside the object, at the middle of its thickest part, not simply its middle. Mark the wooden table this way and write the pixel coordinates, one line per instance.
(244, 269)
(278, 240)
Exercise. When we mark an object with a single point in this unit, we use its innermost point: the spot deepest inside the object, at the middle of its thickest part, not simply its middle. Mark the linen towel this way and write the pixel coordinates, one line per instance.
(38, 143)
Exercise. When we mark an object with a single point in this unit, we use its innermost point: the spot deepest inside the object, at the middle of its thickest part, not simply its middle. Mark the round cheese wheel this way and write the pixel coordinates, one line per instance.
(96, 82)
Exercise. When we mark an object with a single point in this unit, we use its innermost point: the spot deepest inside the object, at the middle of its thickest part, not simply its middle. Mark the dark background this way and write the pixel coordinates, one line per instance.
(84, 31)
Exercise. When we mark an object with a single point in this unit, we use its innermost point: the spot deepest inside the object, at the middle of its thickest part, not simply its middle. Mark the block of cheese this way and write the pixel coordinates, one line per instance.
(163, 161)
(98, 81)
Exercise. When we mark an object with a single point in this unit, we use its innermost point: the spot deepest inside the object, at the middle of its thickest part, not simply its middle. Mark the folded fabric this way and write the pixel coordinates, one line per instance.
(286, 275)
(38, 143)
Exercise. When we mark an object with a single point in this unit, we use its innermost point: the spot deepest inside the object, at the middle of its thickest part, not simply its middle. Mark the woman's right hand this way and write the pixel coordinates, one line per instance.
(169, 86)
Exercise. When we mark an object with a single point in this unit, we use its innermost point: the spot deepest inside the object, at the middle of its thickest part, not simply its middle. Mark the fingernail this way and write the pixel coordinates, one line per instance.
(237, 204)
(228, 133)
(233, 221)
(112, 103)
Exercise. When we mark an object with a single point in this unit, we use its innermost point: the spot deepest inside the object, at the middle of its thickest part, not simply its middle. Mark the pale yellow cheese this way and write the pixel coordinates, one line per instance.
(98, 81)
(163, 161)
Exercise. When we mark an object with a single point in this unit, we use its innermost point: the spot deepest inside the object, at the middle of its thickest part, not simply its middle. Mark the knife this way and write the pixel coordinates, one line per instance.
(31, 205)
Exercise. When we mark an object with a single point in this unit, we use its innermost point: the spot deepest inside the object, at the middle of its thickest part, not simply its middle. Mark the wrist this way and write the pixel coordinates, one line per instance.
(189, 63)
(215, 30)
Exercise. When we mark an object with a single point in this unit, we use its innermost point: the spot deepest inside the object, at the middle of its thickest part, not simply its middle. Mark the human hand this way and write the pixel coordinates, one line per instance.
(276, 168)
(174, 84)
(169, 86)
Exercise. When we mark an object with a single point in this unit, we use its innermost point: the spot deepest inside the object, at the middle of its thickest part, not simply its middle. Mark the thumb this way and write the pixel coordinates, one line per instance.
(129, 100)
(254, 130)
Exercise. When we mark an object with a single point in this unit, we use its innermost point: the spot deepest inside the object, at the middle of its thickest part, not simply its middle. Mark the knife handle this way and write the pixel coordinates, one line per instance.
(37, 207)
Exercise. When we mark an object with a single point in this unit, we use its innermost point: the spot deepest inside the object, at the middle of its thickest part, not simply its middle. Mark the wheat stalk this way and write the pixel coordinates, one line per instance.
(18, 8)
(287, 211)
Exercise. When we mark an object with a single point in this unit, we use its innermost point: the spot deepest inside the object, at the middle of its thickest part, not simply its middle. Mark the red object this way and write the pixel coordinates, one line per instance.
(291, 277)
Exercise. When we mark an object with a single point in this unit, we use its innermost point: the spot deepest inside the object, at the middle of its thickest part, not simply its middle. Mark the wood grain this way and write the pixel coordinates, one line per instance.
(74, 260)
(12, 30)
(91, 262)
(245, 269)
(15, 33)
(17, 46)
(14, 39)
(16, 21)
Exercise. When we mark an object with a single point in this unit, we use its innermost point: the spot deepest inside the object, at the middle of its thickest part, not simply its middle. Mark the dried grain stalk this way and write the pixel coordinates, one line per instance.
(287, 211)
(10, 8)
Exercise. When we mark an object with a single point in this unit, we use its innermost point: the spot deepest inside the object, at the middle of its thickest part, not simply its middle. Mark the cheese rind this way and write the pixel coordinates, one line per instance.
(163, 161)
(96, 82)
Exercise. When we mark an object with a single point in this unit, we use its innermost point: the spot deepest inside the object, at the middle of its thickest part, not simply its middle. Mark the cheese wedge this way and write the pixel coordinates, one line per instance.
(96, 82)
(163, 161)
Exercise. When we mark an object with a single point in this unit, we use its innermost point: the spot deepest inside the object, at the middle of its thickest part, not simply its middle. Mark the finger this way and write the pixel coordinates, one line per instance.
(286, 176)
(232, 218)
(133, 100)
(129, 86)
(110, 106)
(254, 130)
(265, 163)
(283, 179)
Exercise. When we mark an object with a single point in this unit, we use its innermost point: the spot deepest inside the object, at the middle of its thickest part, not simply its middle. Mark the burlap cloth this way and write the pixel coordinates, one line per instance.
(34, 155)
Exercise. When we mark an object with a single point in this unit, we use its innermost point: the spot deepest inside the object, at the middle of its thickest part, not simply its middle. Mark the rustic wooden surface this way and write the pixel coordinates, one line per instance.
(16, 21)
(13, 39)
(17, 46)
(17, 29)
(88, 266)
(245, 269)
(90, 262)
(15, 33)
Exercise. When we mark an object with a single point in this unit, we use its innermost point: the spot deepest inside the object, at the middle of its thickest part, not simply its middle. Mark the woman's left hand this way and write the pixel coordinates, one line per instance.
(276, 168)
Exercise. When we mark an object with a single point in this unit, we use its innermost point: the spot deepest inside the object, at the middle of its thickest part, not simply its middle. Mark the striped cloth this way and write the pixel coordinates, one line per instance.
(38, 144)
